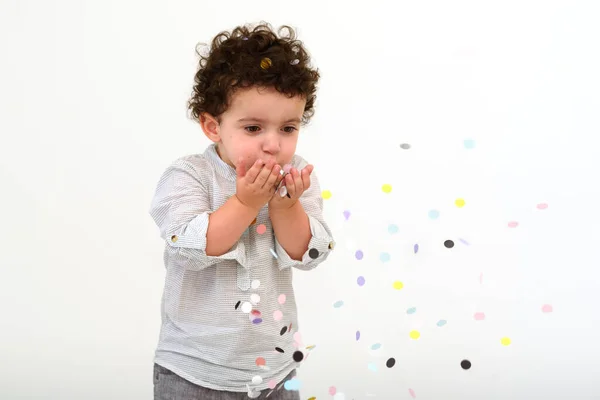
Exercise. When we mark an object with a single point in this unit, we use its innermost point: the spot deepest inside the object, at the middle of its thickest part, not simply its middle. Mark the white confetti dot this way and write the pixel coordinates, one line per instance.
(254, 298)
(257, 380)
(339, 396)
(255, 284)
(246, 307)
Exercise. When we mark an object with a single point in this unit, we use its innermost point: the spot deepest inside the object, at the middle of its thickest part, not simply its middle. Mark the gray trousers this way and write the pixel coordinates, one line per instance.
(170, 386)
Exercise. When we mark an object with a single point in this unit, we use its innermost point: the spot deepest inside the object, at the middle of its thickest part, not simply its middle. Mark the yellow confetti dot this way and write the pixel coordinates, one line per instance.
(266, 63)
(505, 341)
(386, 188)
(326, 194)
(414, 334)
(460, 203)
(398, 285)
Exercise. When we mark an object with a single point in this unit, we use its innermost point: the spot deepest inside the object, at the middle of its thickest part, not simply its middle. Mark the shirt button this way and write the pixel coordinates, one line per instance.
(331, 245)
(174, 238)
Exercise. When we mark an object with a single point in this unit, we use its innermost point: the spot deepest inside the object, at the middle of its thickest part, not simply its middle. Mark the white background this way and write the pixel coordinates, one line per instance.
(93, 109)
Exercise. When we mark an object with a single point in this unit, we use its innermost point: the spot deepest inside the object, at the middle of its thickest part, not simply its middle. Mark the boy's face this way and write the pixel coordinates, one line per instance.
(268, 130)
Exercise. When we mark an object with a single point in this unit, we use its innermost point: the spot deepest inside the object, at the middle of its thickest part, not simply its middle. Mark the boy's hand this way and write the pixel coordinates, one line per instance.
(296, 183)
(255, 187)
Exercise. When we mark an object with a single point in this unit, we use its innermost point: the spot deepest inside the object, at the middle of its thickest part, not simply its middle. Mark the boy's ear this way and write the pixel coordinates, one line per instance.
(210, 127)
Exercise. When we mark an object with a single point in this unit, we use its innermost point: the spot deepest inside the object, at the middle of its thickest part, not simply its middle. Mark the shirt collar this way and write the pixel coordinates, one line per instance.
(223, 169)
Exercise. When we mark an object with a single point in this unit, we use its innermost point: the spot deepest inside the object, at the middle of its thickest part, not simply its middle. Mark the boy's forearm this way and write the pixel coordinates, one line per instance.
(292, 230)
(226, 226)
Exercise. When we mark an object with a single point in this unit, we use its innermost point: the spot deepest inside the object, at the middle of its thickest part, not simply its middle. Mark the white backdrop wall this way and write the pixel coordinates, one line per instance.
(498, 102)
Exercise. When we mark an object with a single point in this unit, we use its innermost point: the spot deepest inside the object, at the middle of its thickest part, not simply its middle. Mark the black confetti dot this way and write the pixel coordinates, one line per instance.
(390, 362)
(465, 364)
(237, 304)
(449, 244)
(279, 350)
(298, 356)
(283, 330)
(313, 253)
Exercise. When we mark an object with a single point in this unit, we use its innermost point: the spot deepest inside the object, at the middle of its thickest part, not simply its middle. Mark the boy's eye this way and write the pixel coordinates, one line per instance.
(258, 127)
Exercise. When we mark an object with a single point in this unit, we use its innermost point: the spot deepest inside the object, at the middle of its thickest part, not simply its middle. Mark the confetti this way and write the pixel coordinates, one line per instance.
(357, 335)
(360, 280)
(376, 346)
(281, 299)
(237, 304)
(393, 228)
(434, 214)
(279, 349)
(257, 380)
(405, 146)
(326, 194)
(257, 321)
(246, 307)
(272, 383)
(332, 390)
(338, 304)
(254, 298)
(358, 255)
(411, 310)
(415, 335)
(255, 284)
(283, 331)
(441, 323)
(372, 367)
(298, 338)
(505, 341)
(412, 393)
(277, 315)
(339, 396)
(479, 316)
(298, 356)
(465, 364)
(390, 362)
(294, 61)
(542, 206)
(313, 253)
(260, 229)
(416, 248)
(398, 285)
(460, 203)
(292, 384)
(469, 143)
(346, 215)
(513, 224)
(386, 188)
(547, 308)
(384, 257)
(260, 361)
(265, 63)
(449, 244)
(464, 241)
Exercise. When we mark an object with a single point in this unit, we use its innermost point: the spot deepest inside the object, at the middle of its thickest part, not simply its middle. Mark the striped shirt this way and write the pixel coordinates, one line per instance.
(228, 321)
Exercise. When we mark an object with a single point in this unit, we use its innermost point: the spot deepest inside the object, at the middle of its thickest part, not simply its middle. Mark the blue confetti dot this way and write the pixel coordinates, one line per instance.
(416, 248)
(358, 255)
(357, 335)
(441, 322)
(338, 304)
(372, 367)
(469, 143)
(393, 228)
(384, 257)
(376, 346)
(411, 310)
(434, 214)
(464, 241)
(360, 280)
(292, 384)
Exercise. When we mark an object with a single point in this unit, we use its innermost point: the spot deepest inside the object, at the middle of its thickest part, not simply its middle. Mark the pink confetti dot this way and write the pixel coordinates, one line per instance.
(332, 390)
(281, 298)
(513, 224)
(277, 315)
(261, 229)
(298, 337)
(272, 384)
(542, 206)
(547, 308)
(479, 316)
(412, 393)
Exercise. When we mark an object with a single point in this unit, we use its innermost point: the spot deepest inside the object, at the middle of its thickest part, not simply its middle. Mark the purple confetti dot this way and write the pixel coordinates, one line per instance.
(357, 335)
(346, 214)
(359, 255)
(360, 281)
(464, 241)
(257, 321)
(416, 248)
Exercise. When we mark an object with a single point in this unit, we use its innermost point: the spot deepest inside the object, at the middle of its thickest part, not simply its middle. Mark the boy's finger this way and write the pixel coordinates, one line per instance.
(254, 170)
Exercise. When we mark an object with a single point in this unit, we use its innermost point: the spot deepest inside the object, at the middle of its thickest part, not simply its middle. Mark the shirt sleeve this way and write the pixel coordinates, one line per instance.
(321, 242)
(181, 208)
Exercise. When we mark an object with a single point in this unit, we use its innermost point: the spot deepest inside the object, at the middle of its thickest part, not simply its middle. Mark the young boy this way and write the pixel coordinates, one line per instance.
(233, 235)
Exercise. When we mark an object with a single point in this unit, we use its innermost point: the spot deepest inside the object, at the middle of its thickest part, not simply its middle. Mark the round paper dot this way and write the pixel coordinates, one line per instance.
(414, 334)
(465, 364)
(338, 304)
(326, 194)
(513, 224)
(464, 241)
(339, 396)
(411, 310)
(372, 367)
(405, 146)
(398, 285)
(390, 362)
(546, 308)
(313, 253)
(298, 356)
(281, 298)
(434, 214)
(254, 298)
(283, 330)
(469, 143)
(441, 322)
(257, 321)
(542, 206)
(358, 255)
(479, 316)
(376, 346)
(384, 257)
(257, 380)
(332, 390)
(266, 63)
(260, 361)
(277, 315)
(460, 203)
(360, 280)
(279, 349)
(255, 284)
(272, 383)
(505, 341)
(346, 215)
(260, 229)
(412, 393)
(393, 228)
(246, 307)
(386, 188)
(416, 248)
(357, 335)
(449, 244)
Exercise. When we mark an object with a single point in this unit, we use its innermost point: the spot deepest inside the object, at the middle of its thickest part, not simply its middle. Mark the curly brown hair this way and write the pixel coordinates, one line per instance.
(238, 60)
